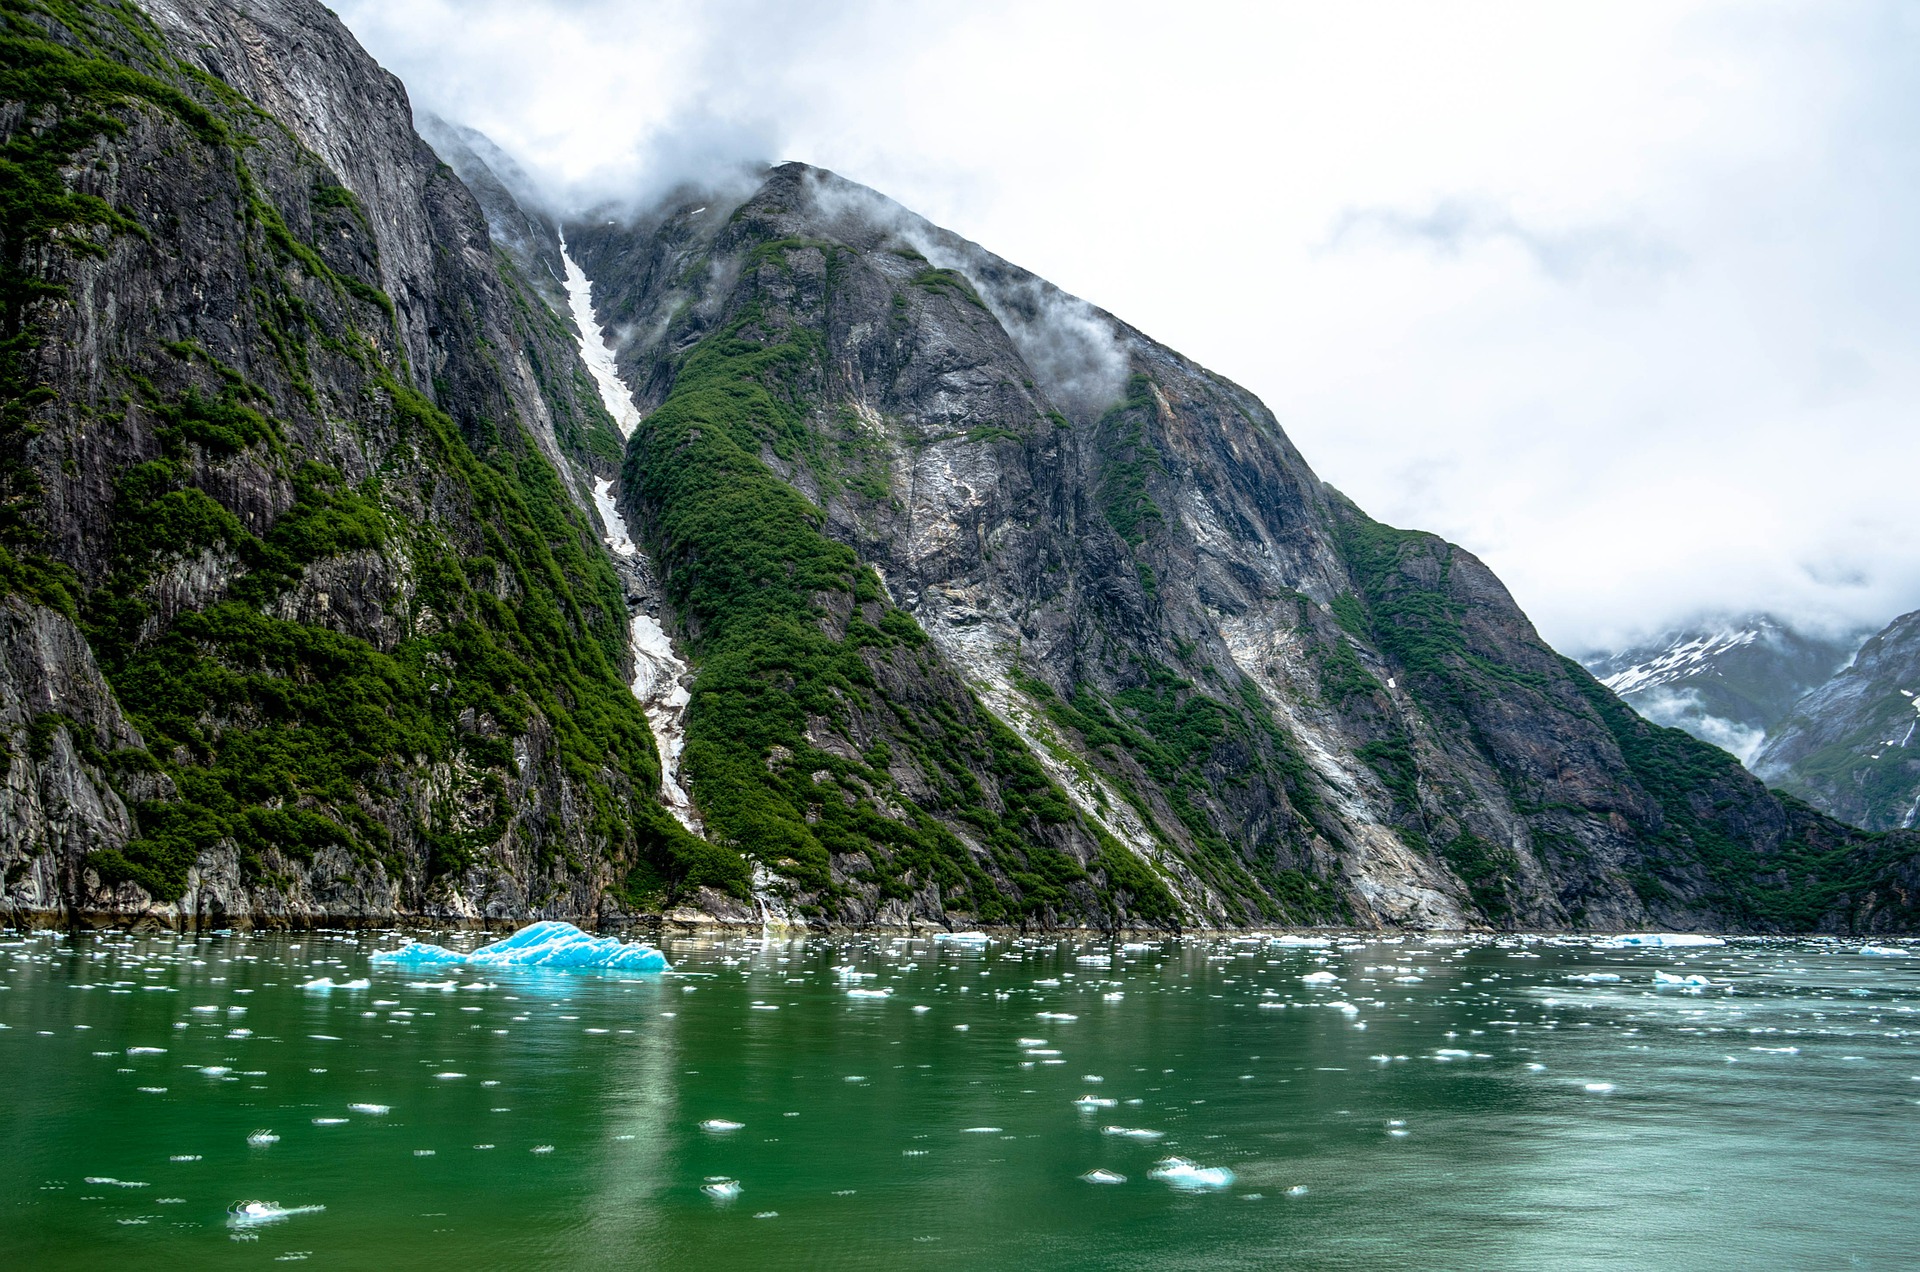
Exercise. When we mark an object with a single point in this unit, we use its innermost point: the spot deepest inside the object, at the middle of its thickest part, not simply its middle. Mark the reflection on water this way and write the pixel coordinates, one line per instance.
(880, 1102)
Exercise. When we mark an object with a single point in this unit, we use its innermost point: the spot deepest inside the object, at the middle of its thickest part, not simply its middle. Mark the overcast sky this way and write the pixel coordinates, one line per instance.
(1623, 297)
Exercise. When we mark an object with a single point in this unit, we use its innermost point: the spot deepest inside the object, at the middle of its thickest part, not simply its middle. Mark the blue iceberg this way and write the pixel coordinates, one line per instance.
(546, 944)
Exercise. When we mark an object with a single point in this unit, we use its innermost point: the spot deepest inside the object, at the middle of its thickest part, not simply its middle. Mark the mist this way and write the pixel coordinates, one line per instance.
(1622, 298)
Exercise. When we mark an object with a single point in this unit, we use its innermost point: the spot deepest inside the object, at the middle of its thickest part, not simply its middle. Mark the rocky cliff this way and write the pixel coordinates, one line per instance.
(996, 611)
(1848, 747)
(306, 612)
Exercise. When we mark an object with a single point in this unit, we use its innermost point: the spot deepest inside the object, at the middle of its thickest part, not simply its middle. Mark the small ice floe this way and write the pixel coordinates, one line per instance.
(1318, 978)
(1659, 940)
(1055, 1015)
(216, 1070)
(329, 1121)
(372, 1110)
(1088, 1103)
(980, 1130)
(1884, 951)
(869, 993)
(546, 944)
(1298, 1190)
(117, 1183)
(146, 1051)
(921, 1007)
(1136, 947)
(1132, 1132)
(1029, 1042)
(720, 1125)
(322, 984)
(449, 1076)
(254, 1214)
(721, 1188)
(1692, 980)
(1178, 1172)
(1776, 1051)
(1445, 1054)
(1300, 942)
(1098, 1176)
(262, 1138)
(541, 1148)
(963, 938)
(1595, 978)
(1597, 1088)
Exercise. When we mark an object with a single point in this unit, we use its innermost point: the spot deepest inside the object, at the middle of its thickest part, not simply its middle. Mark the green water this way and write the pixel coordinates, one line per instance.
(552, 1120)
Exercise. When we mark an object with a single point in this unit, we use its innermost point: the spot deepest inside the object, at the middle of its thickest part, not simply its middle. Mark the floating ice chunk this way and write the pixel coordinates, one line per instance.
(1452, 1053)
(1884, 951)
(720, 1125)
(1660, 940)
(1597, 1088)
(449, 1076)
(1319, 978)
(979, 1130)
(146, 1051)
(963, 938)
(262, 1138)
(1298, 1190)
(1088, 1103)
(1596, 978)
(1134, 947)
(721, 1189)
(919, 1007)
(1132, 1132)
(372, 1110)
(1300, 942)
(1055, 1015)
(869, 993)
(253, 1214)
(1178, 1172)
(1030, 1042)
(550, 943)
(1662, 980)
(1097, 1176)
(329, 1121)
(1345, 1008)
(325, 983)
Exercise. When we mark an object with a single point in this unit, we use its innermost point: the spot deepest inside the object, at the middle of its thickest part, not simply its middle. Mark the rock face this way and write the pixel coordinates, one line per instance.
(996, 610)
(1731, 683)
(306, 611)
(858, 427)
(1849, 747)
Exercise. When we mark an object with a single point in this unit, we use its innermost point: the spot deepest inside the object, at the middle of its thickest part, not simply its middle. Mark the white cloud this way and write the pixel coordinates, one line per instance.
(1621, 297)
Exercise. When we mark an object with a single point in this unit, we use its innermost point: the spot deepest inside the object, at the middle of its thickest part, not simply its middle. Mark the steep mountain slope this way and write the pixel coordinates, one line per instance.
(996, 610)
(1730, 683)
(858, 428)
(1849, 746)
(304, 611)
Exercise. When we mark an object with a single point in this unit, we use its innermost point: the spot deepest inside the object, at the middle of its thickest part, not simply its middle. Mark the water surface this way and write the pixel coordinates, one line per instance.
(1421, 1104)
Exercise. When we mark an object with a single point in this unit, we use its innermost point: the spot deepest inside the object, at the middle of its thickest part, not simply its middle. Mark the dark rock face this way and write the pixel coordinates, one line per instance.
(998, 611)
(1294, 712)
(307, 613)
(1849, 747)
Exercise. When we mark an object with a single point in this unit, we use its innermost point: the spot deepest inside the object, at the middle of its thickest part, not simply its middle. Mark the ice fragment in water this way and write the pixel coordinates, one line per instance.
(1662, 940)
(1131, 1132)
(721, 1190)
(1883, 951)
(980, 1130)
(1103, 1177)
(1088, 1103)
(962, 938)
(1598, 1088)
(720, 1124)
(252, 1214)
(376, 1110)
(550, 943)
(1180, 1173)
(1693, 979)
(1298, 1190)
(260, 1139)
(1319, 978)
(869, 993)
(1596, 978)
(324, 983)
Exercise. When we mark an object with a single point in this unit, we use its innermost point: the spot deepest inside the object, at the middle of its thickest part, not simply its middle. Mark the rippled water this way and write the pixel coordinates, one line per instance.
(1417, 1104)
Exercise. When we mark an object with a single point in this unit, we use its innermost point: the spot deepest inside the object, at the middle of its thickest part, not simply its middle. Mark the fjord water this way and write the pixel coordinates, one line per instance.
(1417, 1104)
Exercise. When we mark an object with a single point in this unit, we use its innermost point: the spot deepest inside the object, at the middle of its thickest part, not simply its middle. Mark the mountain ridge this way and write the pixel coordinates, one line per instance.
(996, 610)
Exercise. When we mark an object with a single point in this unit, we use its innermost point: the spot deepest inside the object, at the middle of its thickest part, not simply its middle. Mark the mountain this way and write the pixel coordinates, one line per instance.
(1729, 682)
(916, 591)
(1848, 746)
